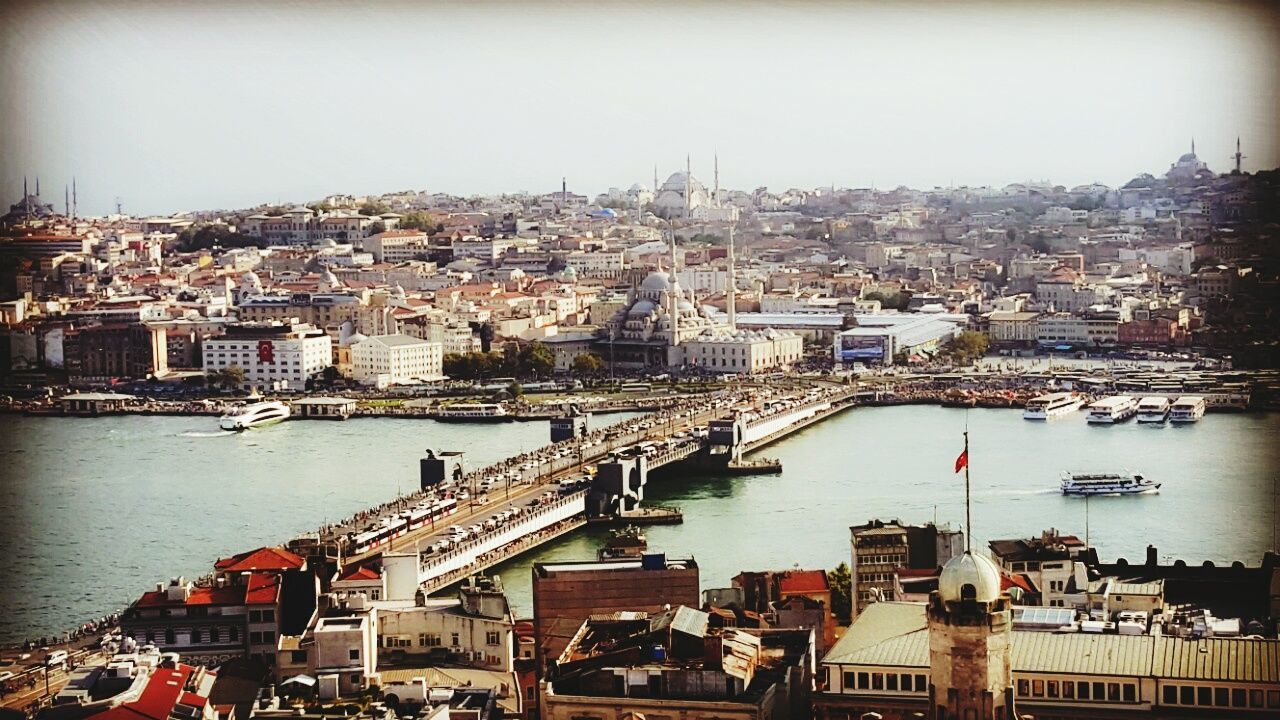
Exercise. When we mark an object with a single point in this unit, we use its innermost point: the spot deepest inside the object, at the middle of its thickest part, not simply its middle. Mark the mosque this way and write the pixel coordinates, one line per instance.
(685, 197)
(30, 207)
(1189, 168)
(658, 318)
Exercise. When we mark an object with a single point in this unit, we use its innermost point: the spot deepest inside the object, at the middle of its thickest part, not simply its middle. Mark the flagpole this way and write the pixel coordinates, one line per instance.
(968, 522)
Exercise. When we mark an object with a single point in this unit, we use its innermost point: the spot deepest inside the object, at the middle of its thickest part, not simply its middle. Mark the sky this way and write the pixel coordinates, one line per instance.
(173, 106)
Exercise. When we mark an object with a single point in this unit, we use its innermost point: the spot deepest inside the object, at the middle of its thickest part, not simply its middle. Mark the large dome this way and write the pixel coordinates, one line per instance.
(656, 281)
(1188, 158)
(969, 570)
(642, 307)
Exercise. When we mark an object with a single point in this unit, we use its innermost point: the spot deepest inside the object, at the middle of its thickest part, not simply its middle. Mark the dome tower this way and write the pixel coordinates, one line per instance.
(970, 634)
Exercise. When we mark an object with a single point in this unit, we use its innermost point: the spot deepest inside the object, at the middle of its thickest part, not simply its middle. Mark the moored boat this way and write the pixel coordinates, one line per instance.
(1117, 408)
(473, 412)
(1187, 409)
(1153, 409)
(1046, 407)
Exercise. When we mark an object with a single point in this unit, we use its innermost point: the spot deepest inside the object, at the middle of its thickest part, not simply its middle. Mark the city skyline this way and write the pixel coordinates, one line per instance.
(254, 105)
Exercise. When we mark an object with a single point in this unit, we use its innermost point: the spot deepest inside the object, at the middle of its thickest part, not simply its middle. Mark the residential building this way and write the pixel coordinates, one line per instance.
(1049, 562)
(399, 359)
(880, 547)
(324, 310)
(101, 353)
(671, 663)
(1012, 328)
(567, 593)
(474, 629)
(396, 246)
(273, 356)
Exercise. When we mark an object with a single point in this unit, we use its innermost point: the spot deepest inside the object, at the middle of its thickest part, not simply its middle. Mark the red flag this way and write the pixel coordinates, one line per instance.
(962, 462)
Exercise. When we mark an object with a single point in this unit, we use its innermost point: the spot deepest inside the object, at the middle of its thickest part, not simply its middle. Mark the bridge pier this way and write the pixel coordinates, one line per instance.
(572, 425)
(619, 486)
(436, 468)
(725, 439)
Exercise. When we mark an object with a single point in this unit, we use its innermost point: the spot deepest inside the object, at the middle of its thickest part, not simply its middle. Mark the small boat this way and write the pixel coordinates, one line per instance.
(254, 415)
(1187, 409)
(1107, 484)
(1153, 410)
(626, 542)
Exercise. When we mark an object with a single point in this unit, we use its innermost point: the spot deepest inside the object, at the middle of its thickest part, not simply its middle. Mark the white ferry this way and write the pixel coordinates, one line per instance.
(1052, 405)
(1187, 409)
(1153, 410)
(1117, 408)
(473, 412)
(254, 415)
(1107, 484)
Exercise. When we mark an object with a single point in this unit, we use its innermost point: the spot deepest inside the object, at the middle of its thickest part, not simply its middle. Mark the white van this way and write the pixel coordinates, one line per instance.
(57, 658)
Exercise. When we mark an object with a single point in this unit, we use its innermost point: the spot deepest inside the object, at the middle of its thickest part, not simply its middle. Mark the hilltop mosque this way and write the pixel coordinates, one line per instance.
(684, 196)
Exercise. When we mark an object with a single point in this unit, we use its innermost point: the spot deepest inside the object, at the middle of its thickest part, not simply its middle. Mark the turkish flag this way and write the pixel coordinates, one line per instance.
(962, 462)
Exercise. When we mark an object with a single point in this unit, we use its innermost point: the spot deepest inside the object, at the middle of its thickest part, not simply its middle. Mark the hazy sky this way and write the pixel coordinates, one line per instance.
(174, 106)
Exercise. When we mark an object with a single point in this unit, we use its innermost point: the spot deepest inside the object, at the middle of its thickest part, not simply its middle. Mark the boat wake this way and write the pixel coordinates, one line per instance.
(205, 434)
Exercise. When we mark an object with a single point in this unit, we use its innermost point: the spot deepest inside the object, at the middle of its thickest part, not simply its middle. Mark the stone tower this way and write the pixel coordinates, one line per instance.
(970, 631)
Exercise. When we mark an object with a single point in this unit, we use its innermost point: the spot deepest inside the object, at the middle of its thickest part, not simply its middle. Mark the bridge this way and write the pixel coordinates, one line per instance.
(604, 472)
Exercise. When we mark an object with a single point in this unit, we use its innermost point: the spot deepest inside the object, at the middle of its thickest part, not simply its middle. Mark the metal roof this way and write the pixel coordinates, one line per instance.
(1239, 659)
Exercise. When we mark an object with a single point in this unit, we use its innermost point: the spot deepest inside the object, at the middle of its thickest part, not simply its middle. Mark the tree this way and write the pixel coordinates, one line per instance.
(1011, 234)
(375, 207)
(587, 364)
(418, 221)
(515, 389)
(1039, 244)
(376, 227)
(207, 236)
(841, 583)
(967, 347)
(537, 360)
(229, 378)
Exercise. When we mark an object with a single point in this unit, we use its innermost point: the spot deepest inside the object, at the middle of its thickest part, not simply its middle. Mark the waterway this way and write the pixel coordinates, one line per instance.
(92, 512)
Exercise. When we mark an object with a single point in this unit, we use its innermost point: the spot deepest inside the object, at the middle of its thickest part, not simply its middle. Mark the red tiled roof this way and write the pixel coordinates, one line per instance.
(231, 595)
(265, 558)
(917, 572)
(803, 581)
(263, 589)
(163, 691)
(363, 572)
(1018, 581)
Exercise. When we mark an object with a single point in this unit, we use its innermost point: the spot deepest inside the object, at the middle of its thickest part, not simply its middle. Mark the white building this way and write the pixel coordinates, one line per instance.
(744, 351)
(605, 264)
(274, 356)
(396, 246)
(401, 358)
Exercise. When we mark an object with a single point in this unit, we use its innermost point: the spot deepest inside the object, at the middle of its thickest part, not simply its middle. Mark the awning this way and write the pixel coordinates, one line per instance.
(300, 679)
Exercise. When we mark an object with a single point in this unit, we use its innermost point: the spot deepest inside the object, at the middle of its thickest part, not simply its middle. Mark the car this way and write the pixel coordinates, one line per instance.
(56, 658)
(5, 675)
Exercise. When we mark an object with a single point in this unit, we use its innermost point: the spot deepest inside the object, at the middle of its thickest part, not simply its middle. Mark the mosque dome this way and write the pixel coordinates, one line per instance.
(328, 279)
(686, 305)
(398, 290)
(656, 281)
(637, 188)
(642, 307)
(354, 338)
(969, 571)
(1188, 158)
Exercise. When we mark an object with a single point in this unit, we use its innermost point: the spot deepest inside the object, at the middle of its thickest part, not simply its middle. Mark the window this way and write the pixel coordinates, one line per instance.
(1130, 692)
(921, 685)
(491, 638)
(1204, 696)
(455, 642)
(298, 656)
(905, 683)
(1068, 690)
(269, 637)
(215, 634)
(1052, 687)
(1237, 697)
(354, 654)
(1037, 688)
(864, 681)
(255, 638)
(891, 682)
(1187, 695)
(255, 616)
(168, 637)
(235, 633)
(1170, 695)
(1221, 697)
(1255, 698)
(1099, 691)
(1273, 698)
(849, 682)
(1113, 692)
(1084, 691)
(877, 681)
(196, 637)
(268, 616)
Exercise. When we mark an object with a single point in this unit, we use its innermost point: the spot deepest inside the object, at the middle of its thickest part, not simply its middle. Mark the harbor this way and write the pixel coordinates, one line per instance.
(861, 462)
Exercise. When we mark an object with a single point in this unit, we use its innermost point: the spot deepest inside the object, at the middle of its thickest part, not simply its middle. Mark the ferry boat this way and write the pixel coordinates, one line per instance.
(1187, 409)
(473, 412)
(1107, 484)
(1052, 405)
(254, 415)
(1117, 408)
(1153, 410)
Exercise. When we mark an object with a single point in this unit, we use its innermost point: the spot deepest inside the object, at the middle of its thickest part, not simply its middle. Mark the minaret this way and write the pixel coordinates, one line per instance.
(655, 181)
(1238, 157)
(731, 289)
(66, 200)
(74, 210)
(26, 199)
(688, 181)
(37, 186)
(716, 196)
(1193, 146)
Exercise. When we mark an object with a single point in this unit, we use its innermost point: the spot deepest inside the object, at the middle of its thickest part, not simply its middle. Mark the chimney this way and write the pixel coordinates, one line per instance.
(1151, 556)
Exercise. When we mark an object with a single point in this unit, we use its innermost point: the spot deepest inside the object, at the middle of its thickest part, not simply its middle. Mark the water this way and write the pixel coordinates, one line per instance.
(92, 512)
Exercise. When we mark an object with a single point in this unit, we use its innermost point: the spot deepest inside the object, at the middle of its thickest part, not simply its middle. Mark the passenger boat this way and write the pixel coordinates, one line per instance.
(1046, 407)
(254, 415)
(473, 412)
(1153, 410)
(1117, 408)
(1187, 409)
(1107, 484)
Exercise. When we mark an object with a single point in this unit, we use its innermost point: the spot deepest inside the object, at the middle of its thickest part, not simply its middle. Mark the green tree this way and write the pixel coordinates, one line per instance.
(967, 347)
(587, 364)
(374, 207)
(208, 236)
(516, 390)
(841, 583)
(1039, 244)
(418, 221)
(537, 360)
(229, 378)
(376, 227)
(901, 357)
